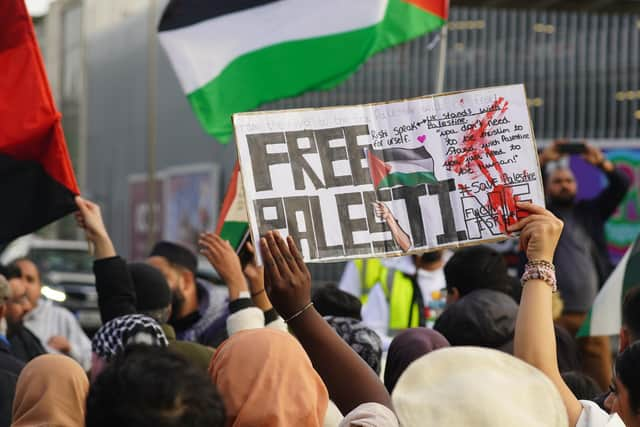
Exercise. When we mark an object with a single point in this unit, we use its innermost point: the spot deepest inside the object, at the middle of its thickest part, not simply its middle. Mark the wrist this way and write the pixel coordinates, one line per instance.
(236, 288)
(103, 247)
(606, 166)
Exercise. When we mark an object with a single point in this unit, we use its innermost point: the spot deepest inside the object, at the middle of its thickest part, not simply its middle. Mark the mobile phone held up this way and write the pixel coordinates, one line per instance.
(572, 147)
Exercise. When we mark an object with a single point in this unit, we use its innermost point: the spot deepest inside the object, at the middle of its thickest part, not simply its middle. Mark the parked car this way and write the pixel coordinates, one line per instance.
(66, 270)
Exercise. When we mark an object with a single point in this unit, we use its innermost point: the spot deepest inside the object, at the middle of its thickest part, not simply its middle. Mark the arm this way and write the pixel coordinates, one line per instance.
(116, 294)
(399, 236)
(348, 378)
(608, 200)
(534, 336)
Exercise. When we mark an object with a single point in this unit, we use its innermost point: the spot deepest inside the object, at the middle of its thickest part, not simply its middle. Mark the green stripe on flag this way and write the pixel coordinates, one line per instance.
(291, 68)
(234, 231)
(407, 179)
(585, 329)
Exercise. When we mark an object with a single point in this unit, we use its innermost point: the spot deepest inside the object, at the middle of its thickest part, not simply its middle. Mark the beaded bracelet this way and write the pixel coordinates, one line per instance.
(540, 270)
(305, 308)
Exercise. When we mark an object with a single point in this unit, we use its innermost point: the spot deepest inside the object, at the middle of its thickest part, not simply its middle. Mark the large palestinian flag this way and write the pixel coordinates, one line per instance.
(37, 185)
(400, 166)
(233, 223)
(605, 317)
(233, 55)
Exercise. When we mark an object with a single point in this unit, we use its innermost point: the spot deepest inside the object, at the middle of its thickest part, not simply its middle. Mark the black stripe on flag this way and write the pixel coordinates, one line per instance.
(403, 154)
(182, 13)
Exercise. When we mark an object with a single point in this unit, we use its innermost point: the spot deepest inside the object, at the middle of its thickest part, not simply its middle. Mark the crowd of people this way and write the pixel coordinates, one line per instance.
(265, 350)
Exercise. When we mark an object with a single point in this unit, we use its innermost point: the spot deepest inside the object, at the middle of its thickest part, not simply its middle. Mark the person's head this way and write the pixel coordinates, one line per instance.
(428, 260)
(151, 386)
(362, 339)
(178, 265)
(266, 379)
(51, 390)
(582, 385)
(114, 336)
(153, 296)
(625, 396)
(470, 386)
(483, 318)
(630, 330)
(18, 305)
(406, 347)
(561, 186)
(331, 301)
(5, 295)
(31, 279)
(477, 267)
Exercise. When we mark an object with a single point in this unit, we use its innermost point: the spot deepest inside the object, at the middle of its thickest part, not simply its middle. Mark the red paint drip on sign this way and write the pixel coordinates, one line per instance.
(476, 148)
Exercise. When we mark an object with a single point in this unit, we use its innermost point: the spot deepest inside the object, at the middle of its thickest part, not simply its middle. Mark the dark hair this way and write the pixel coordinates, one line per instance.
(478, 267)
(331, 301)
(149, 386)
(631, 312)
(628, 373)
(582, 385)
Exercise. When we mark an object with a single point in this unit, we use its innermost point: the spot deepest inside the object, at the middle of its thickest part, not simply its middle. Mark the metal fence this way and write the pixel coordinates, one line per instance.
(581, 71)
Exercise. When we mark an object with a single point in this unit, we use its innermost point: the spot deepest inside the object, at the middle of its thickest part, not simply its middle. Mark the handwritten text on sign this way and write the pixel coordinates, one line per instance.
(392, 178)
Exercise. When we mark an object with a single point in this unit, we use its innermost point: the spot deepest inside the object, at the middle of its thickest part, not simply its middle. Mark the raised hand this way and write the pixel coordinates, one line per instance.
(225, 261)
(552, 152)
(89, 218)
(287, 278)
(540, 232)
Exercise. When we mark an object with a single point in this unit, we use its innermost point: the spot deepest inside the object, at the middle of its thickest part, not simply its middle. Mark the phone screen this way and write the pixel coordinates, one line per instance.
(572, 147)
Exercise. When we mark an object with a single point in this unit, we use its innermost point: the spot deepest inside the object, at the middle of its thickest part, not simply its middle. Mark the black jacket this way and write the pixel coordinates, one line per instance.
(24, 344)
(10, 368)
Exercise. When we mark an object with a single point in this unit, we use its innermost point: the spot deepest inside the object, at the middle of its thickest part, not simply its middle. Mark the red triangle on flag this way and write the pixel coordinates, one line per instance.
(437, 7)
(378, 169)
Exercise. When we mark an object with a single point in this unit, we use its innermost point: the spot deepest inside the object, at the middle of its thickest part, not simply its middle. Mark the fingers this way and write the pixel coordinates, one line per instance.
(535, 209)
(271, 272)
(296, 254)
(524, 222)
(275, 243)
(250, 248)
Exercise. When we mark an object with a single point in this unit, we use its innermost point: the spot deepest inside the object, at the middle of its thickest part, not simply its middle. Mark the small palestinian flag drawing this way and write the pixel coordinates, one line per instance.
(230, 56)
(37, 184)
(605, 316)
(408, 167)
(233, 223)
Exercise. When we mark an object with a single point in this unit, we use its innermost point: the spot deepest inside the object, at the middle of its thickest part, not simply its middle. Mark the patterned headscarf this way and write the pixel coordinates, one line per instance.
(112, 338)
(360, 338)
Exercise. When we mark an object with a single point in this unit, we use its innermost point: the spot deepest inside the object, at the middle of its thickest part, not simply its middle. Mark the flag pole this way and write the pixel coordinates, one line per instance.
(151, 119)
(442, 59)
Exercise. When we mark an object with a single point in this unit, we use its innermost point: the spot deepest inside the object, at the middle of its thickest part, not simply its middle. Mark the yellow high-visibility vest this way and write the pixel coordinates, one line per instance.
(405, 308)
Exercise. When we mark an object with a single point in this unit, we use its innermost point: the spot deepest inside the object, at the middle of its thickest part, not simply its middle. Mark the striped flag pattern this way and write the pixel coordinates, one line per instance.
(231, 56)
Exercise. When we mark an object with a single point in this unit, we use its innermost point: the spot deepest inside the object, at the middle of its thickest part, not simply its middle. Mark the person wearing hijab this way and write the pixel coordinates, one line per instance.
(51, 391)
(265, 378)
(115, 335)
(408, 346)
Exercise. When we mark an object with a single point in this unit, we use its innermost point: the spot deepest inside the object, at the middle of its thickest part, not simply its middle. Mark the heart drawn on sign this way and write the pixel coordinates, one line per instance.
(422, 138)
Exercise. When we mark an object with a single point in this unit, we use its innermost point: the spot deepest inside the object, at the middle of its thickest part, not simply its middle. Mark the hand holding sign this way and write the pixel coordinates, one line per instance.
(540, 232)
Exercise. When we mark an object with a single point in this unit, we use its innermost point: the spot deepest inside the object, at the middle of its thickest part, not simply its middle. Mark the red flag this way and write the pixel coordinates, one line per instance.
(37, 184)
(377, 168)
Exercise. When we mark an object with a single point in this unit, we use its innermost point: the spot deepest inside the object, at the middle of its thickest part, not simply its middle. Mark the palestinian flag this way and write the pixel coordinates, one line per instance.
(401, 166)
(233, 223)
(605, 317)
(37, 185)
(233, 55)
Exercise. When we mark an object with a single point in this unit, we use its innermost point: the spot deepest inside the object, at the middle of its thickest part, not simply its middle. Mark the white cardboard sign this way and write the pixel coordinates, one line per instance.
(391, 178)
